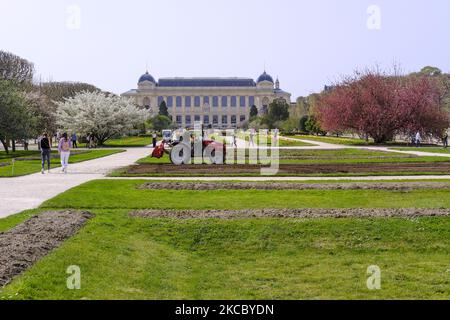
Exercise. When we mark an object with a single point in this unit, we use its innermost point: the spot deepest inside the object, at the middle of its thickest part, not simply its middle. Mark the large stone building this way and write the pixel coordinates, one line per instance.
(220, 102)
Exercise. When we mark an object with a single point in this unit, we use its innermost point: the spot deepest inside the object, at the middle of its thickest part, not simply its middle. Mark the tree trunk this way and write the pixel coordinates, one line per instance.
(13, 143)
(5, 145)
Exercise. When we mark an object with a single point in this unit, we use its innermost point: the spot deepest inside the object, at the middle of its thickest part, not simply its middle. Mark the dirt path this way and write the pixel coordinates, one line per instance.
(289, 213)
(293, 169)
(24, 245)
(204, 186)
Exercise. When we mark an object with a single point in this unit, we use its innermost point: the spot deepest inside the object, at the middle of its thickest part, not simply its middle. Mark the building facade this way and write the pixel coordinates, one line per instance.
(219, 102)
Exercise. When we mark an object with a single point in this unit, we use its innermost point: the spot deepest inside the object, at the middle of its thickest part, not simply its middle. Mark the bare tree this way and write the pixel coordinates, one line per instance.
(59, 91)
(15, 68)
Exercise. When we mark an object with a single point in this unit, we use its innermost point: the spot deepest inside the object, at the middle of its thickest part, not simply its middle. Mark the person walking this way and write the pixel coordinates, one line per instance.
(445, 139)
(154, 141)
(418, 139)
(234, 140)
(64, 146)
(44, 146)
(252, 138)
(74, 140)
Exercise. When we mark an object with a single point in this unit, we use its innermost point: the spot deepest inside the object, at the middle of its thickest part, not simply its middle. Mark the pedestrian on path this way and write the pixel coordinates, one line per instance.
(252, 137)
(154, 140)
(74, 140)
(44, 146)
(276, 133)
(234, 139)
(418, 139)
(445, 138)
(64, 146)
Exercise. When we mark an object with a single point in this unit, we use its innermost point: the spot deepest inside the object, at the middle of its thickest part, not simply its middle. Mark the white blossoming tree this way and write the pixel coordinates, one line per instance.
(99, 114)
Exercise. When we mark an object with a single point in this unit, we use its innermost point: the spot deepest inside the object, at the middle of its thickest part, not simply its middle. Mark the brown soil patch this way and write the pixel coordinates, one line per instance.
(287, 169)
(289, 213)
(24, 245)
(394, 186)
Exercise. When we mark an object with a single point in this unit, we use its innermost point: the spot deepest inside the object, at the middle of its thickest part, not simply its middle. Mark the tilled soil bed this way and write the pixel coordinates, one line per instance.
(290, 169)
(289, 213)
(24, 245)
(206, 186)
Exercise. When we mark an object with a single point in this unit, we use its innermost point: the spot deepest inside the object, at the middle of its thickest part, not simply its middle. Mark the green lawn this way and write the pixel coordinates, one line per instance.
(103, 194)
(129, 142)
(340, 156)
(281, 142)
(24, 167)
(425, 149)
(132, 258)
(312, 157)
(334, 140)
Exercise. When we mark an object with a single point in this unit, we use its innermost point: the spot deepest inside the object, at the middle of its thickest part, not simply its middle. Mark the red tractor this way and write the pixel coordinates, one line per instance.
(184, 150)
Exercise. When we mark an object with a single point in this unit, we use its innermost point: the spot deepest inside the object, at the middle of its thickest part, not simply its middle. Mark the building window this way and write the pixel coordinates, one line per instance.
(233, 120)
(179, 102)
(197, 101)
(242, 101)
(224, 101)
(215, 101)
(187, 102)
(251, 101)
(205, 119)
(224, 119)
(160, 100)
(233, 101)
(179, 120)
(170, 101)
(205, 100)
(215, 119)
(197, 118)
(188, 120)
(242, 119)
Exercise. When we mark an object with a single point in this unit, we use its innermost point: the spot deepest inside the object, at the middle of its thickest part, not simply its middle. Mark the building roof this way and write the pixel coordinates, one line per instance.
(206, 82)
(265, 77)
(146, 77)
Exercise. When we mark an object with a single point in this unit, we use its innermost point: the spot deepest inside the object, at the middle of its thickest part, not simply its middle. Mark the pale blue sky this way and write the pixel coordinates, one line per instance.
(306, 43)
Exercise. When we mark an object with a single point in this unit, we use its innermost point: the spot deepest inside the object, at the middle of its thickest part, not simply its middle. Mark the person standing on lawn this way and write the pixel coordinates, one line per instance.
(44, 146)
(154, 141)
(418, 139)
(74, 140)
(64, 146)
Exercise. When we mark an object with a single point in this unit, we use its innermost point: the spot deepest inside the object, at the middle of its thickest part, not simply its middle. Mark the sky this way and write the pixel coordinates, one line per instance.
(307, 44)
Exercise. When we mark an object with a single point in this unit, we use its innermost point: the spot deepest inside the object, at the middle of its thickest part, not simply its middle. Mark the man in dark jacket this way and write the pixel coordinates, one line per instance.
(46, 151)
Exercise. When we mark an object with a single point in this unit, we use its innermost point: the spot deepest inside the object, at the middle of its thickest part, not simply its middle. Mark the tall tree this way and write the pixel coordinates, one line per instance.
(58, 91)
(15, 119)
(278, 110)
(163, 110)
(43, 111)
(15, 68)
(380, 106)
(253, 112)
(99, 114)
